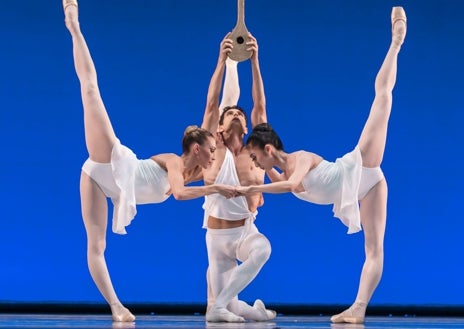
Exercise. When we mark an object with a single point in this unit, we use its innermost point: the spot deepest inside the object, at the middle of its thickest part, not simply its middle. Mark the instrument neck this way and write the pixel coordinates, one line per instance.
(240, 11)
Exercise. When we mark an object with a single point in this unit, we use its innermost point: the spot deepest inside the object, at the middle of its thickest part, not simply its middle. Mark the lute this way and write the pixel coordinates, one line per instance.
(239, 36)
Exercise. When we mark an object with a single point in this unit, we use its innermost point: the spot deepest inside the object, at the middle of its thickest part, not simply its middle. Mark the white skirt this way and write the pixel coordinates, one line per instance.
(128, 181)
(337, 183)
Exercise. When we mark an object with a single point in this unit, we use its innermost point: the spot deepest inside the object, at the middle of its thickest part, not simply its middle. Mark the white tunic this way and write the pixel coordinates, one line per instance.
(128, 181)
(341, 183)
(217, 205)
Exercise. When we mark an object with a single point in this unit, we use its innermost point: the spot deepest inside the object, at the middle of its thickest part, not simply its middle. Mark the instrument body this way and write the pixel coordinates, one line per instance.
(239, 36)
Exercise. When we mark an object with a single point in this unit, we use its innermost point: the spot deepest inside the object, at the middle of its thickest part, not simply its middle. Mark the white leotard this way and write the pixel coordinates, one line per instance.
(341, 183)
(128, 181)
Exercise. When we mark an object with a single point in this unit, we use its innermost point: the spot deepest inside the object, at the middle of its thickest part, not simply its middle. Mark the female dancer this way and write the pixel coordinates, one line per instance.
(354, 177)
(112, 170)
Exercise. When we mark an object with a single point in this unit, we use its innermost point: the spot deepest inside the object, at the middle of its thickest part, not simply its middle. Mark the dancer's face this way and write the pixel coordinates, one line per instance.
(206, 153)
(234, 120)
(261, 157)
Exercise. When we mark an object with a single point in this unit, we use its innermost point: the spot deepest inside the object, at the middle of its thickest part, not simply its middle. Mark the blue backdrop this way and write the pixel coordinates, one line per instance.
(155, 59)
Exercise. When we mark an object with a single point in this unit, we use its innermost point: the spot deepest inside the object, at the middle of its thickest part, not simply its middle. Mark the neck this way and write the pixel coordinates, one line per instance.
(234, 142)
(189, 162)
(281, 160)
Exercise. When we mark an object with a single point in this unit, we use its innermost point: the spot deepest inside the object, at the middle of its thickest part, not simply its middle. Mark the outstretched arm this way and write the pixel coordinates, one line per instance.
(175, 168)
(302, 166)
(274, 175)
(211, 116)
(258, 114)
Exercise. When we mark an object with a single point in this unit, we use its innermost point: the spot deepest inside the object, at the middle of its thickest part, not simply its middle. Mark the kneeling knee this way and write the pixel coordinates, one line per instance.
(262, 252)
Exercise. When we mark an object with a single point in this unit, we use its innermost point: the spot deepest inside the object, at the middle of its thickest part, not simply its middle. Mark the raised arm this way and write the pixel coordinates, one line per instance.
(231, 88)
(211, 116)
(258, 114)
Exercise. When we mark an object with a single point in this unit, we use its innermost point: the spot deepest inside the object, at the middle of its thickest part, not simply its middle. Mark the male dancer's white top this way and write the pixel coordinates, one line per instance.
(218, 206)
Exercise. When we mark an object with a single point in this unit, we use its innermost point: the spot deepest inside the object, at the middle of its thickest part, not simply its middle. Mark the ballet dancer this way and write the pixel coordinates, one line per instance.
(354, 183)
(231, 232)
(113, 171)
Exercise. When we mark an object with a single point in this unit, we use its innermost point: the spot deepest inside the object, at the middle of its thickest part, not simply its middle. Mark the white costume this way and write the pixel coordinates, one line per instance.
(128, 181)
(341, 183)
(226, 278)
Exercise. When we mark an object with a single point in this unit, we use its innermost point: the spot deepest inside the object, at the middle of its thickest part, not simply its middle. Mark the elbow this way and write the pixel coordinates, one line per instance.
(211, 105)
(178, 195)
(211, 102)
(260, 106)
(293, 187)
(261, 103)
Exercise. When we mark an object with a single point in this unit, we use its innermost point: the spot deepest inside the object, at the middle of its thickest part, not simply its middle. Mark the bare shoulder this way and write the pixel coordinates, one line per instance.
(310, 158)
(302, 154)
(165, 160)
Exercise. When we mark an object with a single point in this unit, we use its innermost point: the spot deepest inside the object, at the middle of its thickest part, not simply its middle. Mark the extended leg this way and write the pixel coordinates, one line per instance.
(374, 135)
(99, 134)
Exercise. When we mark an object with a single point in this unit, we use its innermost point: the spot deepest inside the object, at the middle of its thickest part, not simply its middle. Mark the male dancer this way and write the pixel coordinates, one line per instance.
(231, 233)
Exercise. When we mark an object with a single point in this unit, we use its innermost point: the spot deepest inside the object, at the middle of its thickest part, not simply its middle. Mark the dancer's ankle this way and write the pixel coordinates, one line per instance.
(71, 14)
(120, 313)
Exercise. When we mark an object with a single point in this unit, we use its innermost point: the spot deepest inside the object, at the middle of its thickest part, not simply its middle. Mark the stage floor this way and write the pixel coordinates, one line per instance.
(198, 321)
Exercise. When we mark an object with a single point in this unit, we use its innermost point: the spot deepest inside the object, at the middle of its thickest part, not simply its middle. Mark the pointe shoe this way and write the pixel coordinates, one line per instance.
(121, 314)
(398, 14)
(340, 318)
(126, 317)
(348, 316)
(266, 314)
(67, 3)
(221, 314)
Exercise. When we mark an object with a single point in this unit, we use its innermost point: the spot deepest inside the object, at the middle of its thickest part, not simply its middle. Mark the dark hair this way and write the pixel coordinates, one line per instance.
(263, 134)
(228, 108)
(194, 134)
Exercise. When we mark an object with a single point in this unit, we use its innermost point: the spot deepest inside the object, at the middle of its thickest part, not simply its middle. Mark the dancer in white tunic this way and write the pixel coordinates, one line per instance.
(231, 232)
(354, 184)
(113, 170)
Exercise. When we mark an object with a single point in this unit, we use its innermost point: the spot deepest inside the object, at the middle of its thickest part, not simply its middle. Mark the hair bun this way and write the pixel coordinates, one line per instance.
(264, 127)
(190, 129)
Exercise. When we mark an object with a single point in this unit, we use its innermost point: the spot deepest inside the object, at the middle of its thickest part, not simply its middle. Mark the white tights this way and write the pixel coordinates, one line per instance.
(226, 278)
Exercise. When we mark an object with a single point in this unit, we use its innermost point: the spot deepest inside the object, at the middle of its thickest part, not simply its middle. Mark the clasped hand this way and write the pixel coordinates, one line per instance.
(229, 191)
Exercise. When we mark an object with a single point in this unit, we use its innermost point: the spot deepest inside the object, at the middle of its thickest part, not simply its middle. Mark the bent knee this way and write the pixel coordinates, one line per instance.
(257, 248)
(261, 251)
